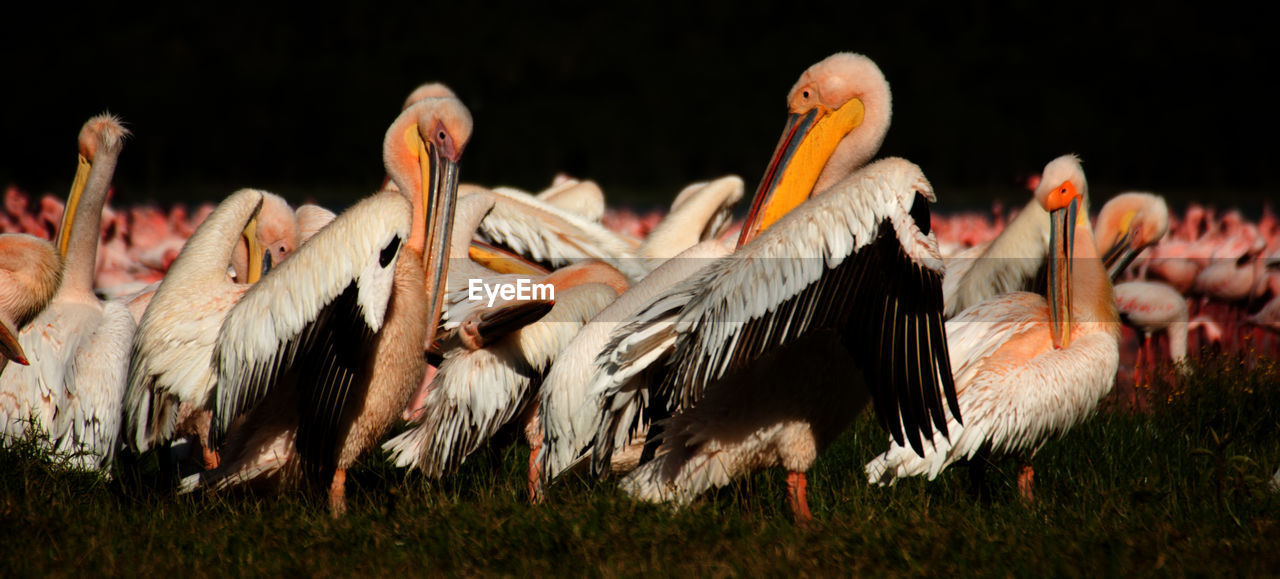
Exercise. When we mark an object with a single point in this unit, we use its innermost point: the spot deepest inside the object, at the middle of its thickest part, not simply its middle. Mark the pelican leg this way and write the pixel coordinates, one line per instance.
(418, 404)
(797, 497)
(338, 493)
(211, 457)
(1026, 482)
(535, 469)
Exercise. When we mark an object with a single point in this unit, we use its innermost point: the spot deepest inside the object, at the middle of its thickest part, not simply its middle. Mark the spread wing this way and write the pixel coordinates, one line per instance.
(310, 324)
(857, 259)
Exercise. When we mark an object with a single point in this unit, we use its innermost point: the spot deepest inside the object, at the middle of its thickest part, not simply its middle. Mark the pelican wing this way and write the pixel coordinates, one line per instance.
(478, 392)
(1008, 402)
(311, 322)
(569, 408)
(89, 422)
(853, 259)
(171, 361)
(549, 234)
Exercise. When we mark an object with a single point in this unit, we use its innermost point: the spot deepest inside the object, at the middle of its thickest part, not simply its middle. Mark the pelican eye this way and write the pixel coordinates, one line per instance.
(441, 135)
(389, 252)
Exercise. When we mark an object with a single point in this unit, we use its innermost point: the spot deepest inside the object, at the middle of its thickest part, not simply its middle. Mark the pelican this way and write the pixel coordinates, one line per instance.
(548, 234)
(319, 358)
(684, 242)
(583, 198)
(171, 371)
(311, 218)
(78, 345)
(30, 271)
(568, 411)
(1027, 368)
(772, 351)
(1127, 224)
(481, 388)
(700, 212)
(1015, 259)
(489, 378)
(1008, 263)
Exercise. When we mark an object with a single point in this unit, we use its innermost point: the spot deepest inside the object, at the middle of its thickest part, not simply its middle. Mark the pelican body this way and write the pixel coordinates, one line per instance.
(834, 262)
(320, 357)
(1028, 368)
(78, 346)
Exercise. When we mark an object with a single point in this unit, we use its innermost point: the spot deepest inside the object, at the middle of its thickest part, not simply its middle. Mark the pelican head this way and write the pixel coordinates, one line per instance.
(838, 116)
(421, 153)
(1127, 224)
(1062, 191)
(270, 237)
(426, 91)
(101, 134)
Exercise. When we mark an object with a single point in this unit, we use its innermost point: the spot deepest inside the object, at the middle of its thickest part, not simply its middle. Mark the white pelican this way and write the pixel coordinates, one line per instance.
(1127, 224)
(568, 412)
(548, 234)
(171, 370)
(772, 351)
(1027, 368)
(700, 212)
(322, 354)
(583, 198)
(78, 346)
(30, 271)
(1015, 259)
(311, 218)
(479, 390)
(1008, 263)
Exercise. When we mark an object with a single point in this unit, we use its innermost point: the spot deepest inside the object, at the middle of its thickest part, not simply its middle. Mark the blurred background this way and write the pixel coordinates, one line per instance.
(1171, 97)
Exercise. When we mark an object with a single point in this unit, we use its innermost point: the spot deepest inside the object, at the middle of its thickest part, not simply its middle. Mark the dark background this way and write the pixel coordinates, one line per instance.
(1176, 98)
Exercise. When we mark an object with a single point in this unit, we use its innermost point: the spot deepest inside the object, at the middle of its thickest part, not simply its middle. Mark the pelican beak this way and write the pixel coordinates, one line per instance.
(439, 196)
(1118, 257)
(807, 142)
(1066, 203)
(9, 346)
(73, 201)
(481, 329)
(256, 267)
(502, 261)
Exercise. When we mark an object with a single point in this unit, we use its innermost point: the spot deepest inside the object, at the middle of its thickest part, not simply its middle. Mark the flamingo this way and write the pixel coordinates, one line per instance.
(1151, 307)
(320, 357)
(78, 345)
(772, 351)
(1027, 368)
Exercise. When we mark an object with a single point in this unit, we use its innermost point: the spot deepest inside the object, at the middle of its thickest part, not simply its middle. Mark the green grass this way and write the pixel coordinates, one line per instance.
(1181, 489)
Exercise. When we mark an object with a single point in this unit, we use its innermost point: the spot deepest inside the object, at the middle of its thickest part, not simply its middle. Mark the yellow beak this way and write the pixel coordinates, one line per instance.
(73, 201)
(808, 141)
(255, 251)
